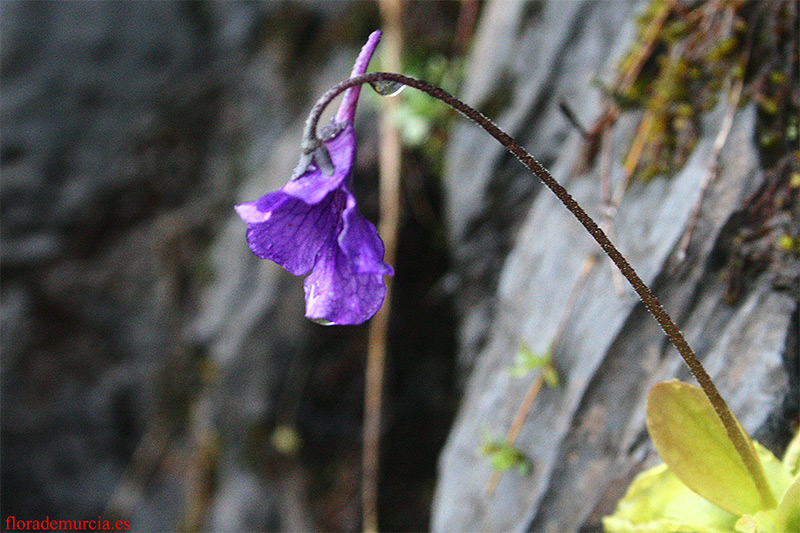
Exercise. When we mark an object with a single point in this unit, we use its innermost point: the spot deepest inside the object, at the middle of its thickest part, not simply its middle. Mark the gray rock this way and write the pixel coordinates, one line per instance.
(104, 111)
(586, 439)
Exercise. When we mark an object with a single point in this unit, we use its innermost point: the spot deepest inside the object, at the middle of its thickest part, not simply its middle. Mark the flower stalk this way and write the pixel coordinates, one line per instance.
(734, 431)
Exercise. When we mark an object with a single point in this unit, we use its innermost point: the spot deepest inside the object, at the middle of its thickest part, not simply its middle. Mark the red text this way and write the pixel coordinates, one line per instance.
(12, 524)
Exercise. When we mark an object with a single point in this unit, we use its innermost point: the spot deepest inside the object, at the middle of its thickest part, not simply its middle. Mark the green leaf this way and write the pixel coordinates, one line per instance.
(693, 443)
(504, 456)
(657, 502)
(761, 522)
(551, 377)
(528, 361)
(787, 516)
(791, 457)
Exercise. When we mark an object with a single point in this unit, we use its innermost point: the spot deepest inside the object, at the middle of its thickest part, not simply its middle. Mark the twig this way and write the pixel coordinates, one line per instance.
(390, 161)
(712, 172)
(652, 33)
(522, 413)
(465, 25)
(202, 463)
(536, 387)
(611, 199)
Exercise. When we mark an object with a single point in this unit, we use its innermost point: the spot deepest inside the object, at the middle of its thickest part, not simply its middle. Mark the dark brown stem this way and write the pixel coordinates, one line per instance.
(736, 435)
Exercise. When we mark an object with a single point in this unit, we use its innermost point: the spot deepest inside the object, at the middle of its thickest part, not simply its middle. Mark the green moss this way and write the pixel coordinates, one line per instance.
(769, 139)
(504, 456)
(792, 130)
(789, 244)
(768, 106)
(722, 50)
(675, 30)
(694, 60)
(685, 110)
(777, 77)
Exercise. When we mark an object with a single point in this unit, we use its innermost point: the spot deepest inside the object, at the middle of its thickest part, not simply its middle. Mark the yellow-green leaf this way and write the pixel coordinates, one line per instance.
(787, 516)
(695, 446)
(761, 522)
(527, 361)
(551, 377)
(791, 457)
(657, 502)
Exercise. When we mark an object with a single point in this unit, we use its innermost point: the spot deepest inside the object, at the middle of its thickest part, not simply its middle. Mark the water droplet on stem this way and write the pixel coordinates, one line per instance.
(387, 87)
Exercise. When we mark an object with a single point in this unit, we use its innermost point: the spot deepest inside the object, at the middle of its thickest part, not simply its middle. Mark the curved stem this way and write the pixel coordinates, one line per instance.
(735, 433)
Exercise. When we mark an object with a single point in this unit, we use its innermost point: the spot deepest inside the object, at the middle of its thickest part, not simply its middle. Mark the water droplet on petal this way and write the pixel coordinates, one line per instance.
(322, 322)
(387, 87)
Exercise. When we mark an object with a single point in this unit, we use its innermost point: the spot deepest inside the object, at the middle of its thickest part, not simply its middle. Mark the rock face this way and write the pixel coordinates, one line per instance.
(586, 439)
(129, 131)
(107, 119)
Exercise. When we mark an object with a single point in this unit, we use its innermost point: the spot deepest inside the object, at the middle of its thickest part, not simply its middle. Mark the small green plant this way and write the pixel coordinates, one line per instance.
(703, 485)
(504, 456)
(788, 243)
(527, 361)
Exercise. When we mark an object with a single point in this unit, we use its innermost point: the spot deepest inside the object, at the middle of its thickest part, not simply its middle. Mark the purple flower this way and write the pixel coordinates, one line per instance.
(313, 224)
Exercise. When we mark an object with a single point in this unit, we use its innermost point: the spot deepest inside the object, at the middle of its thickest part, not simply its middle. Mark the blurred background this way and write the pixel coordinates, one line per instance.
(148, 357)
(153, 369)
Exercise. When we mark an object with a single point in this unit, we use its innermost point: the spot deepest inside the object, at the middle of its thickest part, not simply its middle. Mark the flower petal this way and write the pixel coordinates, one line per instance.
(360, 242)
(250, 213)
(337, 294)
(289, 231)
(313, 185)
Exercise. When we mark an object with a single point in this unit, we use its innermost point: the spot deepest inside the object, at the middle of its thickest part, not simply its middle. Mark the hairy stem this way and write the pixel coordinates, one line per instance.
(735, 433)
